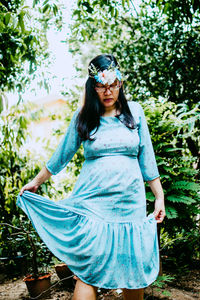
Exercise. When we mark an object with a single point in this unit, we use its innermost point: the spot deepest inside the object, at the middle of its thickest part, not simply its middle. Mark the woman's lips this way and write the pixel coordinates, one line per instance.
(108, 99)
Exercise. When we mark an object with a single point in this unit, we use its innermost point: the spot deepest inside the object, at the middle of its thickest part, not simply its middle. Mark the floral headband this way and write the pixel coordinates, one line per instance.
(107, 76)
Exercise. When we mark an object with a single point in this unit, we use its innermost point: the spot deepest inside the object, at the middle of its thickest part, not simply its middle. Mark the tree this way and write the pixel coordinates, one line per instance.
(23, 42)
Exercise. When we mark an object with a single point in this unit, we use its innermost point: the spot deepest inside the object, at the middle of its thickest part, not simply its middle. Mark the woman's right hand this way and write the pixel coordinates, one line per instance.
(32, 186)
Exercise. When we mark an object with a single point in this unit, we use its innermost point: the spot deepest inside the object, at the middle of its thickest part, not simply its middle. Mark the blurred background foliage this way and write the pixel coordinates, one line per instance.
(158, 49)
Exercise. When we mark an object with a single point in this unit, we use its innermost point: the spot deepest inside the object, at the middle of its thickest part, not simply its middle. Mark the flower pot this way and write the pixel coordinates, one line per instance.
(63, 271)
(38, 285)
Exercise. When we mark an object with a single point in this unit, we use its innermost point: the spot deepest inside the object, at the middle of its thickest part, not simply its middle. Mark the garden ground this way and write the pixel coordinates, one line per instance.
(184, 287)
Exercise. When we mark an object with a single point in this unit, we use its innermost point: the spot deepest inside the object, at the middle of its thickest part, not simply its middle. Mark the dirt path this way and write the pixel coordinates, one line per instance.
(187, 287)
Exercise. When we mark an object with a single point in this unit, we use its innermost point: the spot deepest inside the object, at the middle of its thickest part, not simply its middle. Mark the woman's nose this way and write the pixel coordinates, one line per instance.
(108, 92)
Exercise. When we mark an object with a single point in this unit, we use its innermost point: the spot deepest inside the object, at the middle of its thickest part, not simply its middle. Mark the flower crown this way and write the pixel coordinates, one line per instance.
(107, 76)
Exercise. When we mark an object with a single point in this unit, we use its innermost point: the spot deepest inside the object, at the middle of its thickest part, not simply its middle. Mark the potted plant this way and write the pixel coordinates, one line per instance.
(64, 274)
(37, 282)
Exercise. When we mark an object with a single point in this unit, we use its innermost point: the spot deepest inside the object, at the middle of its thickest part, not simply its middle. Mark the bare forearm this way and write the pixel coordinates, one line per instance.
(33, 185)
(156, 188)
(42, 176)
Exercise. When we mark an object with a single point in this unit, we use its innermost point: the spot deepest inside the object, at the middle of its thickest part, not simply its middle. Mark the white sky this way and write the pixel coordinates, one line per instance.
(63, 64)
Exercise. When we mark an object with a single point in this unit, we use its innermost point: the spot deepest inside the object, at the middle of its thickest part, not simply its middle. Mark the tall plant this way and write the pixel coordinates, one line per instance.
(17, 168)
(24, 44)
(168, 123)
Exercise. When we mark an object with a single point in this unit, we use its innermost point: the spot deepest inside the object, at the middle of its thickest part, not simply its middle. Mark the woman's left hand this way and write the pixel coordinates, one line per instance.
(159, 210)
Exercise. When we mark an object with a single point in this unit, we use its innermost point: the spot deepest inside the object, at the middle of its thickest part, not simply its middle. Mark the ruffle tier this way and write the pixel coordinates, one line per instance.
(104, 254)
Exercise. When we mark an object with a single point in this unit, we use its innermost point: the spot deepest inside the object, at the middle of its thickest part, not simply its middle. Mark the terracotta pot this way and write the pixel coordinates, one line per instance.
(38, 285)
(63, 271)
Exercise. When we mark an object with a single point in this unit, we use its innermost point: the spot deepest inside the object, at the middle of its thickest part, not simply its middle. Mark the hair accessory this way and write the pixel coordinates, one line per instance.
(107, 76)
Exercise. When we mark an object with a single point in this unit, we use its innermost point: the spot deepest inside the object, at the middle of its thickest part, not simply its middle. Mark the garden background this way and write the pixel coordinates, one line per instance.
(157, 44)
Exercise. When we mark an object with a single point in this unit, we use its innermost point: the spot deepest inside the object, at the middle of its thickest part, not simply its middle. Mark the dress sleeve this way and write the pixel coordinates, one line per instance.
(66, 149)
(146, 155)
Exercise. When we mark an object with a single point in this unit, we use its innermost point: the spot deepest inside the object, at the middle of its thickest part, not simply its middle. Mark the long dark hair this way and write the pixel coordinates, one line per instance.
(89, 115)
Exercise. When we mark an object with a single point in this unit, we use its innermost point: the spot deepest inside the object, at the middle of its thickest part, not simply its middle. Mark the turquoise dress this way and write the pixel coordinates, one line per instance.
(102, 231)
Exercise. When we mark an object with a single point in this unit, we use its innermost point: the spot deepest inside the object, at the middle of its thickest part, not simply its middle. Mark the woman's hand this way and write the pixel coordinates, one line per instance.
(159, 210)
(32, 186)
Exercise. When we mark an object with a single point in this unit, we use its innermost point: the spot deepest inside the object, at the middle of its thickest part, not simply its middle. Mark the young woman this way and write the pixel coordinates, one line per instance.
(102, 231)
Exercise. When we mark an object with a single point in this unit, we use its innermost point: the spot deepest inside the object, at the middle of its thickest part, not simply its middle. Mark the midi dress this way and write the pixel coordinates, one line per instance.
(102, 230)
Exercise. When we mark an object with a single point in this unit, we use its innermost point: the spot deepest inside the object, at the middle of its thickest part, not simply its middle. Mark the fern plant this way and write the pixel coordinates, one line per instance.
(177, 165)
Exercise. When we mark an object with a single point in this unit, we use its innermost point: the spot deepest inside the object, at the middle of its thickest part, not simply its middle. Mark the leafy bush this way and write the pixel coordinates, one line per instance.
(17, 168)
(176, 165)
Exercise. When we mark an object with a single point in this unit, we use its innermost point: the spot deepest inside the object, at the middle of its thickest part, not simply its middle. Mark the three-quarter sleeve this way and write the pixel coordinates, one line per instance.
(66, 149)
(146, 155)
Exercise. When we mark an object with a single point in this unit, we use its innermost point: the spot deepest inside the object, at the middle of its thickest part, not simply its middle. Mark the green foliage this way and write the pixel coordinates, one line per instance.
(159, 57)
(161, 280)
(175, 166)
(160, 284)
(17, 168)
(67, 180)
(183, 11)
(25, 241)
(24, 47)
(181, 249)
(180, 232)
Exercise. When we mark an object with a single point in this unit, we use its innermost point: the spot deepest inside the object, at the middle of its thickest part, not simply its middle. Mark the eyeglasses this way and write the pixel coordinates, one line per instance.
(101, 89)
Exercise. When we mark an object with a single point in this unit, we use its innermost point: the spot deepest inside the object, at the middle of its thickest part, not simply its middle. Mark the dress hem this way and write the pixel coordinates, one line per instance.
(114, 288)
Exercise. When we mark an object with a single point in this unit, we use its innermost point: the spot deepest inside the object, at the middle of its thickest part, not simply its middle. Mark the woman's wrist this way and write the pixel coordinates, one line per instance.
(42, 176)
(161, 199)
(37, 181)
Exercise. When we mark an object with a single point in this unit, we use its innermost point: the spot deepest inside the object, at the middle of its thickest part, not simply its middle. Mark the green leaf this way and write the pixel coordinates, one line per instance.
(166, 293)
(45, 2)
(55, 9)
(83, 33)
(1, 103)
(7, 19)
(185, 185)
(2, 26)
(172, 149)
(171, 212)
(102, 23)
(150, 196)
(181, 199)
(21, 21)
(46, 7)
(112, 11)
(166, 8)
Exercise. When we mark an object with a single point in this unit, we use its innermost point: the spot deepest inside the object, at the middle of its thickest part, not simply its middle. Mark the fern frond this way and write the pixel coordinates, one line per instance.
(188, 171)
(181, 199)
(173, 149)
(185, 185)
(171, 212)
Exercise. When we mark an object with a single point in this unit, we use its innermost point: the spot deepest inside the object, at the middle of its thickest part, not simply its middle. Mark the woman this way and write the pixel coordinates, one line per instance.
(101, 230)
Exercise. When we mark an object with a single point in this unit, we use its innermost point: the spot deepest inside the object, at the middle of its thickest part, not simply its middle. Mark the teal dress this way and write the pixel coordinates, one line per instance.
(102, 231)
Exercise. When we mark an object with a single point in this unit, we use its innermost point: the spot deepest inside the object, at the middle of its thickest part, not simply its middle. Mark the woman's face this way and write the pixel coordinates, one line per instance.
(108, 94)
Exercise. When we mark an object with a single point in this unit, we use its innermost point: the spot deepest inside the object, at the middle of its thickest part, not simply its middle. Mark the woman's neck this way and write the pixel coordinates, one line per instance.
(111, 112)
